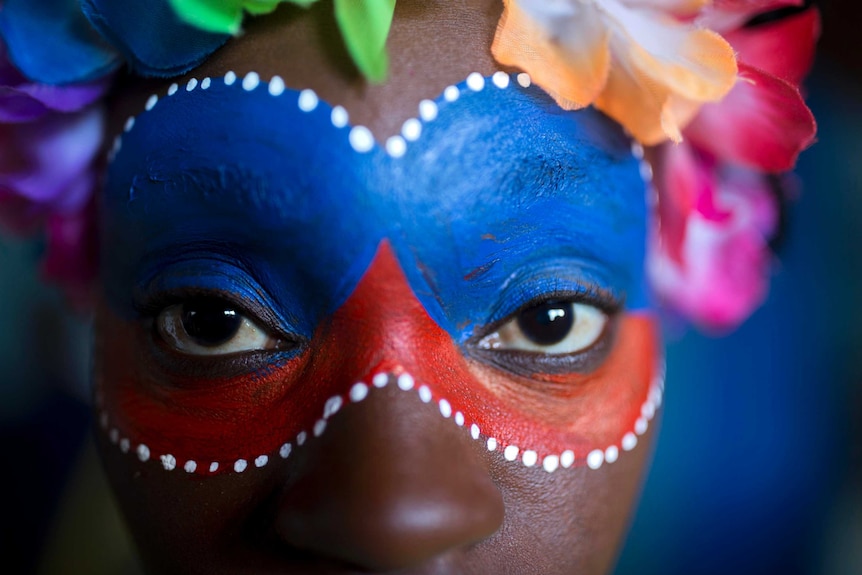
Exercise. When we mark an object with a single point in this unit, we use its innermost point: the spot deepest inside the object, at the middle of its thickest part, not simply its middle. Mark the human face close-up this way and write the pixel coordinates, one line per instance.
(346, 328)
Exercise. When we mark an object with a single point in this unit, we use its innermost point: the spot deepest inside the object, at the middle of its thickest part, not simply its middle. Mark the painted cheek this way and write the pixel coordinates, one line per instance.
(380, 336)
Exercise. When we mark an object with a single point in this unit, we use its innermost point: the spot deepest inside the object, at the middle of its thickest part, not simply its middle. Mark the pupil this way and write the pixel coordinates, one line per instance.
(548, 323)
(210, 322)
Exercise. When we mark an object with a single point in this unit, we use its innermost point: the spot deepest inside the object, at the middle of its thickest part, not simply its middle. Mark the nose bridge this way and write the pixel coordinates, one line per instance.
(382, 327)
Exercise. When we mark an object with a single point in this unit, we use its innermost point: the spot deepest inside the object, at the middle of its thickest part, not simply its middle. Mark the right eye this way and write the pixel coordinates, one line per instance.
(212, 326)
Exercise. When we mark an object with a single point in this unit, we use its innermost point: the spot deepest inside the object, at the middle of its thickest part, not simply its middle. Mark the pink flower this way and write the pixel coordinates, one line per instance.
(717, 210)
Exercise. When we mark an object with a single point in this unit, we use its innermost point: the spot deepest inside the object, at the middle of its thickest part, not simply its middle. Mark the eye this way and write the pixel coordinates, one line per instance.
(553, 327)
(211, 326)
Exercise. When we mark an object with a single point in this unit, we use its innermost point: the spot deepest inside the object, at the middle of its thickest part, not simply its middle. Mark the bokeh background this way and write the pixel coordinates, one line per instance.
(759, 465)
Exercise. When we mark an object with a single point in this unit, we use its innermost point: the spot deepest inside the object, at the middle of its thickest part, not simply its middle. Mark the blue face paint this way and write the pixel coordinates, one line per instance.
(501, 199)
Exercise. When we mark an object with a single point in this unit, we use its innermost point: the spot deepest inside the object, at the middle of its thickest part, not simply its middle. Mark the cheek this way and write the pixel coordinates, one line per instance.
(380, 337)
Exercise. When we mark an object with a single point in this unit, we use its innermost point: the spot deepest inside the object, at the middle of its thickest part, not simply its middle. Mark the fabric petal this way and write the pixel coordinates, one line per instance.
(225, 16)
(44, 160)
(679, 8)
(659, 64)
(763, 123)
(717, 273)
(563, 46)
(51, 42)
(365, 28)
(784, 48)
(151, 37)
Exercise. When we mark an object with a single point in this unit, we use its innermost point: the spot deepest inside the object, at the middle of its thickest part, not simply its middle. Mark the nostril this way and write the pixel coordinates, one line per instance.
(391, 485)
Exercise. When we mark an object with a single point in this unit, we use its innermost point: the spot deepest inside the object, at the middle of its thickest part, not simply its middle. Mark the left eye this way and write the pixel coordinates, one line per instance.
(211, 326)
(553, 327)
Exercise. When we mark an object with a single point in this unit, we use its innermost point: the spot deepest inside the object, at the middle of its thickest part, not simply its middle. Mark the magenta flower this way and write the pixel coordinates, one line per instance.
(711, 258)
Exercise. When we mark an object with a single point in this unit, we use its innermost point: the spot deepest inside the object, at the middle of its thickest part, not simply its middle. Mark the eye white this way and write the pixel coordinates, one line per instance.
(247, 336)
(587, 326)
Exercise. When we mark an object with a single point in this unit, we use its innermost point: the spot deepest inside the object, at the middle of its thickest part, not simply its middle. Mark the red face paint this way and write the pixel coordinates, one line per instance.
(380, 333)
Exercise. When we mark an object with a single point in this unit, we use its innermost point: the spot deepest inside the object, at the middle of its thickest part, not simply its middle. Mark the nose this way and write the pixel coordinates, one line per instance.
(390, 484)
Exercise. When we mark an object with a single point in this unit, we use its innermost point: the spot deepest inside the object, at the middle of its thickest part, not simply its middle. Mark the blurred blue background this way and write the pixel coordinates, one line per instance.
(759, 465)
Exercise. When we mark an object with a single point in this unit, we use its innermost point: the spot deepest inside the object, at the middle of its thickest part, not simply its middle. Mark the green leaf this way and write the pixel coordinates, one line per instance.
(225, 16)
(365, 26)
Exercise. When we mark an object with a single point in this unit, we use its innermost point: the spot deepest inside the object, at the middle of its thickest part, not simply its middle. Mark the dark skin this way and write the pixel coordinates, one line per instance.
(372, 494)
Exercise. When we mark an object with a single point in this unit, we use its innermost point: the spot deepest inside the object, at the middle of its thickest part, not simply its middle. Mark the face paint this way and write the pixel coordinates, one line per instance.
(385, 266)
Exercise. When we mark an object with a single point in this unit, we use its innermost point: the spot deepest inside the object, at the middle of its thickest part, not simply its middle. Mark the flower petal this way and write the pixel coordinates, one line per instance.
(151, 37)
(563, 46)
(763, 123)
(718, 272)
(784, 48)
(51, 42)
(44, 160)
(659, 64)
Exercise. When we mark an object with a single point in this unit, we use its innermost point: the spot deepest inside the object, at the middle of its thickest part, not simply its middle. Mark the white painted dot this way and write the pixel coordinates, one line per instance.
(213, 466)
(301, 437)
(240, 465)
(445, 408)
(358, 392)
(396, 146)
(333, 404)
(192, 84)
(284, 451)
(361, 139)
(380, 380)
(125, 445)
(130, 123)
(475, 82)
(261, 460)
(500, 79)
(511, 452)
(114, 435)
(524, 80)
(143, 452)
(425, 394)
(411, 130)
(637, 150)
(492, 444)
(567, 458)
(339, 117)
(648, 410)
(229, 78)
(427, 110)
(169, 462)
(451, 93)
(405, 382)
(103, 421)
(308, 100)
(151, 102)
(612, 453)
(190, 466)
(474, 431)
(630, 441)
(595, 458)
(319, 427)
(251, 81)
(530, 458)
(276, 86)
(459, 419)
(551, 463)
(172, 89)
(206, 83)
(641, 426)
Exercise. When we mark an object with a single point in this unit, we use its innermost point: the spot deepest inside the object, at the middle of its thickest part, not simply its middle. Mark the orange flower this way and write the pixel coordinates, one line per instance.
(645, 63)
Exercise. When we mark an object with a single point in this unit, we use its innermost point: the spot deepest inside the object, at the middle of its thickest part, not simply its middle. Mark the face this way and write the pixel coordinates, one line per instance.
(335, 339)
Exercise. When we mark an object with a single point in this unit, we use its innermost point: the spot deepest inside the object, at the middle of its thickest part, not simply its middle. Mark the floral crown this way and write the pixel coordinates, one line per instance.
(709, 87)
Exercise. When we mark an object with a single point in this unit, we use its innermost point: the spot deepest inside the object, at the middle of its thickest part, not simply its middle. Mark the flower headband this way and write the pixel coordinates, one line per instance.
(711, 88)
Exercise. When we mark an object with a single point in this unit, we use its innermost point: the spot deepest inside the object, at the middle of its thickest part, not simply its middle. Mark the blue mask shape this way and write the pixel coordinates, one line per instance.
(493, 198)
